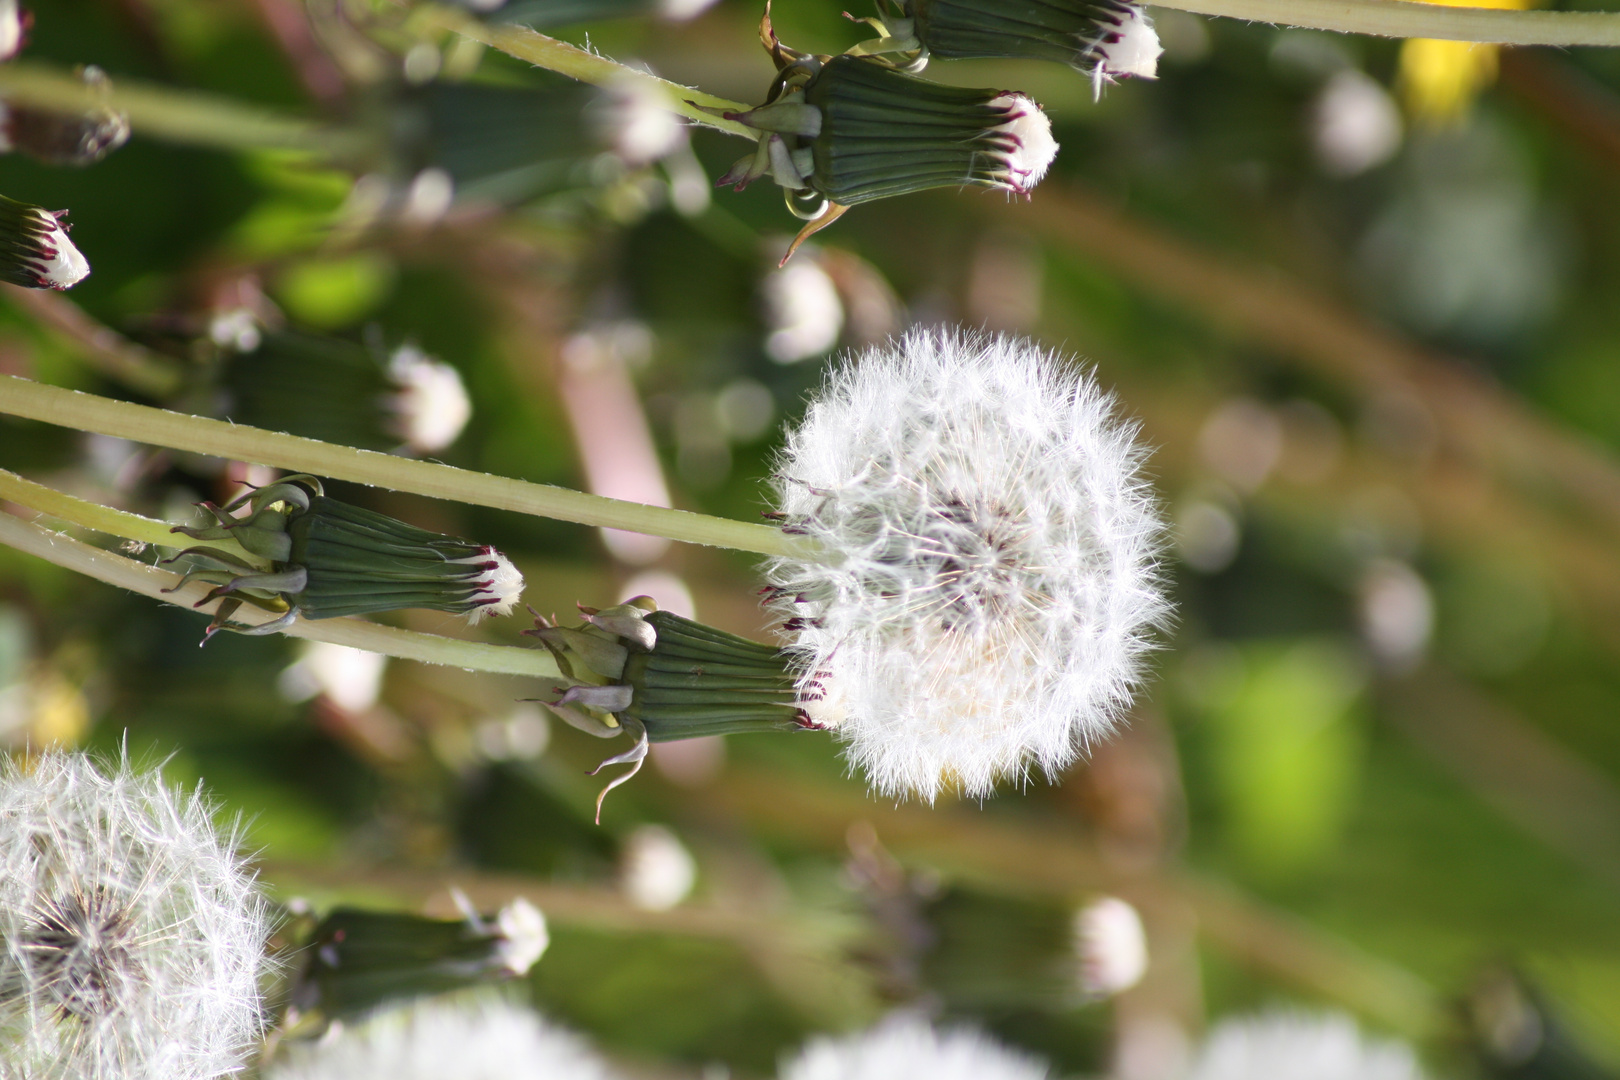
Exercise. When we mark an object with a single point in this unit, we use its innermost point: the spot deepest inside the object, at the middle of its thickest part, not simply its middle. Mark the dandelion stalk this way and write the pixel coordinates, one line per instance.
(200, 435)
(1405, 19)
(183, 116)
(587, 67)
(90, 515)
(150, 581)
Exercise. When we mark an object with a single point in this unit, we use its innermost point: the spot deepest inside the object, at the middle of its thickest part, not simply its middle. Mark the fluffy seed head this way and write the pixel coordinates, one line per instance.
(484, 1039)
(131, 936)
(985, 578)
(905, 1047)
(1297, 1046)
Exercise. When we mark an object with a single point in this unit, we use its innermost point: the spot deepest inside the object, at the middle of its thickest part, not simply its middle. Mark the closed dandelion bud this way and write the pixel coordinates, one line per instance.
(1300, 1046)
(905, 1047)
(132, 934)
(1103, 39)
(487, 1039)
(982, 579)
(14, 24)
(359, 960)
(659, 677)
(338, 391)
(35, 251)
(60, 138)
(857, 130)
(322, 558)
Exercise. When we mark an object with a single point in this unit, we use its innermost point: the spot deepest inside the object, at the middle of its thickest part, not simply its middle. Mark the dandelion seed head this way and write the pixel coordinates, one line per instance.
(131, 935)
(484, 1039)
(905, 1047)
(986, 578)
(1301, 1046)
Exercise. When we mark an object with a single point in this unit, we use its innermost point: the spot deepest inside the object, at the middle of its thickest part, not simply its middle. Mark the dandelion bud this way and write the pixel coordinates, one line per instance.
(322, 558)
(1103, 39)
(1112, 947)
(131, 934)
(857, 130)
(1289, 1046)
(430, 405)
(58, 138)
(984, 579)
(35, 251)
(487, 1039)
(905, 1047)
(359, 960)
(659, 677)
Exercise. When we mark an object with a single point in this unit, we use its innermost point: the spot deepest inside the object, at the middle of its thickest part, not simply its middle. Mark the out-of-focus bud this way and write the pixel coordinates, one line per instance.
(64, 138)
(655, 869)
(543, 13)
(35, 251)
(14, 25)
(1111, 945)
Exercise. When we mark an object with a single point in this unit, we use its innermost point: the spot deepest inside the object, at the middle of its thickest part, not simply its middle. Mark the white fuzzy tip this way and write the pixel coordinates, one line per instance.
(12, 30)
(1299, 1046)
(684, 9)
(1112, 946)
(905, 1047)
(637, 119)
(431, 406)
(988, 578)
(58, 264)
(1131, 47)
(502, 588)
(132, 934)
(487, 1039)
(524, 935)
(1033, 147)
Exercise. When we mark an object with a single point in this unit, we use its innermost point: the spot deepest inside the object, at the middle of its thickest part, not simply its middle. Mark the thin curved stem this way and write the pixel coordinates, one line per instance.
(113, 569)
(1407, 19)
(183, 116)
(200, 435)
(103, 519)
(587, 67)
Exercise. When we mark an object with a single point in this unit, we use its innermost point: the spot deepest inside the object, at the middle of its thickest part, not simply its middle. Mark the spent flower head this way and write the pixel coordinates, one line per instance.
(486, 1039)
(35, 251)
(131, 933)
(1300, 1046)
(906, 1047)
(981, 579)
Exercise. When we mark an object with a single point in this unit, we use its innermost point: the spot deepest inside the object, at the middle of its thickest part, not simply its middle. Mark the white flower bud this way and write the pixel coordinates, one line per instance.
(1112, 947)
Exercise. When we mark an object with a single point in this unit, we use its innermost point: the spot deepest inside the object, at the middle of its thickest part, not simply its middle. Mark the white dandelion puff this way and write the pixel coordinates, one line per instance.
(905, 1047)
(985, 576)
(133, 935)
(1301, 1046)
(484, 1039)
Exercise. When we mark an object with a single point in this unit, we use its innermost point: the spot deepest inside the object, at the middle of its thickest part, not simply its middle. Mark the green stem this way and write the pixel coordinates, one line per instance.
(113, 569)
(183, 116)
(200, 435)
(587, 67)
(102, 519)
(106, 352)
(1406, 19)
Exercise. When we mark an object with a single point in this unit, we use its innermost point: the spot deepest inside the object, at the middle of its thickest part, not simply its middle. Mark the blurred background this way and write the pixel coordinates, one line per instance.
(1359, 294)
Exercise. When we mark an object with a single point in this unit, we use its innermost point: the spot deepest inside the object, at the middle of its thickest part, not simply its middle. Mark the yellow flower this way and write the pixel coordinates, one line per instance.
(1440, 79)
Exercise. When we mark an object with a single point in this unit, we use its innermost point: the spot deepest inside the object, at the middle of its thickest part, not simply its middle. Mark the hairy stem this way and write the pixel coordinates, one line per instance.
(151, 581)
(1406, 19)
(103, 519)
(587, 67)
(200, 435)
(183, 116)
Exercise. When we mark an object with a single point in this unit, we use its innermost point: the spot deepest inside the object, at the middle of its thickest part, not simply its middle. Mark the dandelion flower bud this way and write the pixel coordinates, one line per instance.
(63, 138)
(35, 251)
(487, 1039)
(1112, 947)
(322, 558)
(131, 933)
(1103, 39)
(1296, 1046)
(857, 130)
(358, 960)
(983, 578)
(905, 1047)
(430, 406)
(14, 23)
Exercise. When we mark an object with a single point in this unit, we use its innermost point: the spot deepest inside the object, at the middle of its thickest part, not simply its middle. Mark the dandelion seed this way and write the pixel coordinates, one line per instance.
(985, 581)
(488, 1039)
(131, 935)
(905, 1047)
